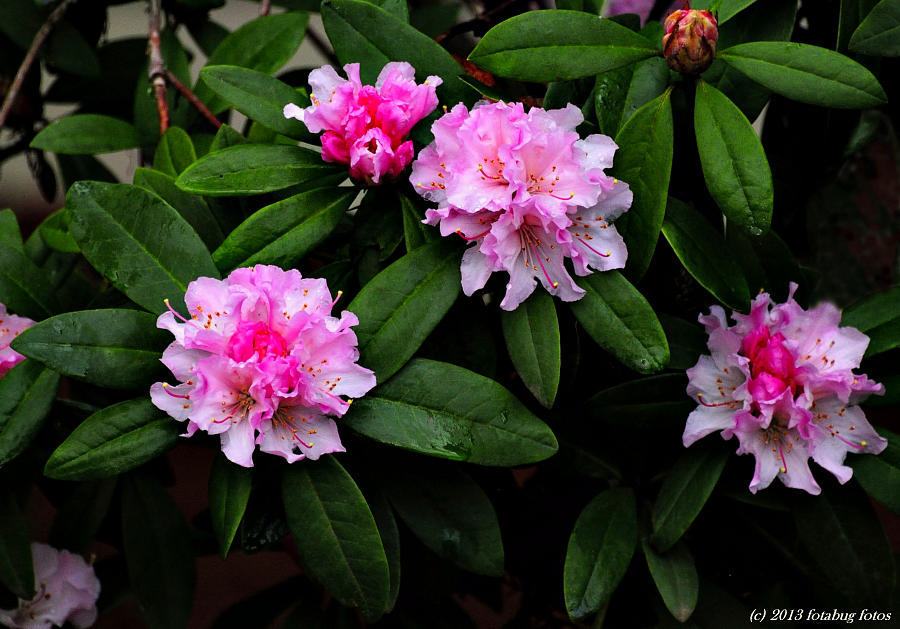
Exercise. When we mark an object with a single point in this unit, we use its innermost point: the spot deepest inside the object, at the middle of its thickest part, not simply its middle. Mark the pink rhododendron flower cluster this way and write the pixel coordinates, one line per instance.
(261, 361)
(10, 327)
(781, 380)
(67, 591)
(527, 192)
(366, 126)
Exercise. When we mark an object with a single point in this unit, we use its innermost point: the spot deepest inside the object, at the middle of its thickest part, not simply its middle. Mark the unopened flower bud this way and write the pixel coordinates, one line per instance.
(689, 40)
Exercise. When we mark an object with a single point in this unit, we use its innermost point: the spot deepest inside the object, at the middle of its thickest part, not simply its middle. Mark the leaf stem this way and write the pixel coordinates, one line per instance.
(38, 41)
(156, 69)
(196, 102)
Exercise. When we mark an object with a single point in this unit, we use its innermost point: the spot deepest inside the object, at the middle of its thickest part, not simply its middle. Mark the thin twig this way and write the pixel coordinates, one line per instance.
(264, 7)
(196, 102)
(156, 68)
(30, 56)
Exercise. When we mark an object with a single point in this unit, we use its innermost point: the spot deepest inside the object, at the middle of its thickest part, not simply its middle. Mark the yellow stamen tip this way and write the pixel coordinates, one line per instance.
(863, 443)
(784, 469)
(555, 284)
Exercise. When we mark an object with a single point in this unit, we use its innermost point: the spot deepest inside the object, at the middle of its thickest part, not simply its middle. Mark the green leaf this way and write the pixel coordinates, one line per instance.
(138, 241)
(174, 153)
(853, 12)
(114, 440)
(371, 36)
(621, 321)
(879, 33)
(336, 534)
(397, 8)
(599, 551)
(225, 137)
(118, 349)
(415, 233)
(734, 163)
(192, 208)
(703, 252)
(807, 73)
(532, 339)
(158, 553)
(229, 492)
(687, 341)
(253, 169)
(54, 232)
(390, 539)
(258, 96)
(675, 576)
(642, 402)
(880, 475)
(81, 515)
(401, 305)
(858, 563)
(879, 317)
(86, 134)
(24, 288)
(10, 234)
(282, 233)
(451, 515)
(446, 411)
(16, 568)
(264, 44)
(684, 491)
(26, 395)
(644, 162)
(556, 45)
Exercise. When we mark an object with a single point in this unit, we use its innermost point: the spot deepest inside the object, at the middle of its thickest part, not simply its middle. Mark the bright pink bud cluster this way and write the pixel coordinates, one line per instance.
(781, 379)
(261, 361)
(527, 192)
(689, 40)
(10, 327)
(365, 126)
(67, 591)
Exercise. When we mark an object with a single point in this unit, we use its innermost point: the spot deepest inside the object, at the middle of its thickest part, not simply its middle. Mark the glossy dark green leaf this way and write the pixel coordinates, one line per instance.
(81, 515)
(703, 252)
(621, 321)
(229, 492)
(806, 73)
(599, 551)
(10, 234)
(684, 491)
(734, 163)
(174, 153)
(364, 33)
(282, 233)
(879, 317)
(637, 403)
(446, 411)
(194, 209)
(532, 340)
(390, 539)
(644, 162)
(675, 576)
(26, 395)
(557, 45)
(158, 553)
(880, 475)
(415, 233)
(54, 232)
(858, 564)
(853, 12)
(253, 169)
(86, 134)
(225, 137)
(119, 349)
(401, 305)
(138, 241)
(687, 341)
(258, 96)
(24, 289)
(879, 33)
(397, 8)
(264, 44)
(451, 515)
(336, 534)
(16, 569)
(114, 440)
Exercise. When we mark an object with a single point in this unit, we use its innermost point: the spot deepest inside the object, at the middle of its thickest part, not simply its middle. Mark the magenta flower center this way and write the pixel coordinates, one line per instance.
(257, 339)
(771, 364)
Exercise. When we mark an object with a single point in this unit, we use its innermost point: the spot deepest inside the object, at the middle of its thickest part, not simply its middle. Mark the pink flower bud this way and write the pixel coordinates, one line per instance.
(689, 40)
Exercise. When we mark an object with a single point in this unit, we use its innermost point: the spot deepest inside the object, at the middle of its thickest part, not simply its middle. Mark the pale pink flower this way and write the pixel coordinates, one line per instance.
(366, 127)
(527, 192)
(67, 591)
(781, 380)
(261, 361)
(10, 327)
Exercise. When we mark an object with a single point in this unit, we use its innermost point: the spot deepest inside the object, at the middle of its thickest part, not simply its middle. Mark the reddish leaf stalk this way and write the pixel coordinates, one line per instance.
(264, 7)
(38, 41)
(196, 102)
(156, 69)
